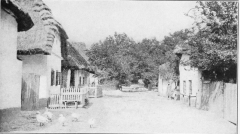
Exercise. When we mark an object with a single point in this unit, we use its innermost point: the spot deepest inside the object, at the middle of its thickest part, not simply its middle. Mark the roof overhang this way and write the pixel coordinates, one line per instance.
(23, 19)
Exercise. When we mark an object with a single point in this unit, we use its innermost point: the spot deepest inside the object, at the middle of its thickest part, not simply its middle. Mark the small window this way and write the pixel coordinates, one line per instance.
(72, 78)
(52, 77)
(57, 78)
(190, 87)
(184, 87)
(80, 81)
(83, 80)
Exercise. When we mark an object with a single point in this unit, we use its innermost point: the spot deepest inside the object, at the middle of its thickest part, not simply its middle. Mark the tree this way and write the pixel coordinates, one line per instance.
(170, 70)
(112, 56)
(214, 46)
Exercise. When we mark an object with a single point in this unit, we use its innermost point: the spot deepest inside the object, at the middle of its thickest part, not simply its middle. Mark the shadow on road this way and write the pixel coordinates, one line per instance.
(88, 105)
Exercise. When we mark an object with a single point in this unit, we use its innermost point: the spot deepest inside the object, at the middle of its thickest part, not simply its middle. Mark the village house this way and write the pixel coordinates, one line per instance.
(93, 81)
(40, 50)
(190, 77)
(14, 19)
(72, 65)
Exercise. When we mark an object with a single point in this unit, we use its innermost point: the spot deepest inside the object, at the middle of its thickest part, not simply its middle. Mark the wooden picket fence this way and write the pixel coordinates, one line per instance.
(73, 94)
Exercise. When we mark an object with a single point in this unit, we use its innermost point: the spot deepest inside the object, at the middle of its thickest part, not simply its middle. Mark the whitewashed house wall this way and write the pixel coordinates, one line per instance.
(42, 65)
(189, 73)
(54, 62)
(10, 66)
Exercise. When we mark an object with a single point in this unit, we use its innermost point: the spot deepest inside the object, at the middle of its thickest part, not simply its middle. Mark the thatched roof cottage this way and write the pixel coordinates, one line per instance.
(41, 48)
(72, 67)
(14, 19)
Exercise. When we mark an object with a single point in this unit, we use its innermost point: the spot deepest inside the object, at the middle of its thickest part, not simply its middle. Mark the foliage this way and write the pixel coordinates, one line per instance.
(170, 70)
(125, 60)
(214, 46)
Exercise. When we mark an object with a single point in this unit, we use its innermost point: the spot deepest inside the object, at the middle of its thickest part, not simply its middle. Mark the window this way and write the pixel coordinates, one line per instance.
(57, 78)
(184, 87)
(83, 80)
(80, 81)
(52, 77)
(190, 87)
(72, 78)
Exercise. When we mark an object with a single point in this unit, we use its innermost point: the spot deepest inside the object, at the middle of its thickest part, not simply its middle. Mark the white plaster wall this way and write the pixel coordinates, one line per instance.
(188, 73)
(37, 64)
(10, 67)
(160, 87)
(54, 62)
(68, 78)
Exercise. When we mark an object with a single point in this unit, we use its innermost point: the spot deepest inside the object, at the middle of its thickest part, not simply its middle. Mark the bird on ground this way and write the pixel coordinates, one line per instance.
(75, 116)
(41, 119)
(62, 119)
(48, 114)
(91, 122)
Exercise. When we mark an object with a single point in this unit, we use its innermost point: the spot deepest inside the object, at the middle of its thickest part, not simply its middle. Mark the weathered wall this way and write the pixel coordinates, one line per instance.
(10, 67)
(221, 99)
(54, 62)
(37, 64)
(230, 102)
(188, 73)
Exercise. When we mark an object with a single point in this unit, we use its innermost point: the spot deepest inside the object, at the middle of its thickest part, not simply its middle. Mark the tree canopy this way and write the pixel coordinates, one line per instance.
(214, 45)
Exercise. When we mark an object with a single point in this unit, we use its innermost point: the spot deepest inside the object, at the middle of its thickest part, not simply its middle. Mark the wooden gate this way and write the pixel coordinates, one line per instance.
(30, 92)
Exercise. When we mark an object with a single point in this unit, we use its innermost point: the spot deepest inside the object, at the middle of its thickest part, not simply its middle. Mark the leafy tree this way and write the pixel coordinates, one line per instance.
(214, 46)
(170, 70)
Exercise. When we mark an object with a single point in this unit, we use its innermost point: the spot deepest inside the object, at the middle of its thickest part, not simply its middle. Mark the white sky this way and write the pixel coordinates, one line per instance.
(91, 21)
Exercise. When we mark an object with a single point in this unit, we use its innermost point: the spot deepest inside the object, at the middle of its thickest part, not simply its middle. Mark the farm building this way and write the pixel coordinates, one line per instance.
(40, 50)
(14, 19)
(190, 77)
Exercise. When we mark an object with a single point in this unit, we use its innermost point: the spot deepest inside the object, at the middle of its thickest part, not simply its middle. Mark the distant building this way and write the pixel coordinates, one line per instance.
(13, 20)
(190, 77)
(76, 72)
(72, 66)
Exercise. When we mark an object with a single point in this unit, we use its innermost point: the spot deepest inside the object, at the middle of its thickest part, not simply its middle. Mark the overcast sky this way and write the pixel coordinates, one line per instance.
(91, 21)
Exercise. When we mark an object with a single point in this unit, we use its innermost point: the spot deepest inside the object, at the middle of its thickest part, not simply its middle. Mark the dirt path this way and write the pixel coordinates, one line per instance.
(142, 112)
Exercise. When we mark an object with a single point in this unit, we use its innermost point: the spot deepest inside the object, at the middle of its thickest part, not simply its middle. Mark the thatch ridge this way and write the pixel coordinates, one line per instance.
(73, 59)
(41, 36)
(22, 17)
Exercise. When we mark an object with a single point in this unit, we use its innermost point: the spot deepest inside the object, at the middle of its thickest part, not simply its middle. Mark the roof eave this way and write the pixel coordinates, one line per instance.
(23, 19)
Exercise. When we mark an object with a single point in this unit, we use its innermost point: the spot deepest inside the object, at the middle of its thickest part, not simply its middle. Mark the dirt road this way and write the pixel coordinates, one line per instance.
(142, 112)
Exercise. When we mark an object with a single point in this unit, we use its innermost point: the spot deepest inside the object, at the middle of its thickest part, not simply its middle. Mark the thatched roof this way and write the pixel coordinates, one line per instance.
(22, 17)
(73, 59)
(40, 38)
(82, 49)
(182, 48)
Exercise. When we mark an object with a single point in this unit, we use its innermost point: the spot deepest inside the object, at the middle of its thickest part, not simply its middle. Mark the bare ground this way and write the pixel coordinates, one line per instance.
(143, 112)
